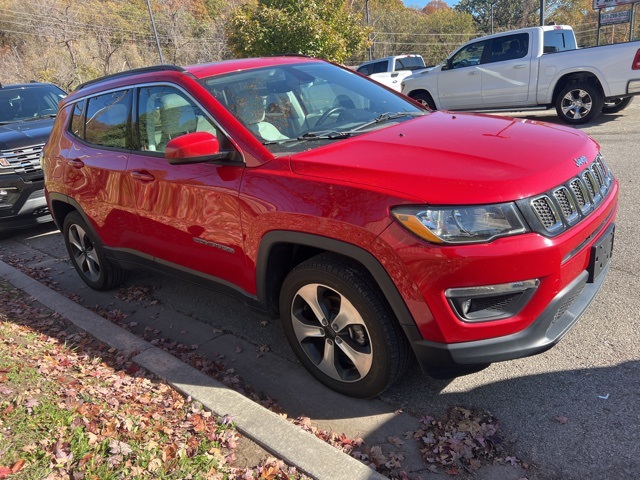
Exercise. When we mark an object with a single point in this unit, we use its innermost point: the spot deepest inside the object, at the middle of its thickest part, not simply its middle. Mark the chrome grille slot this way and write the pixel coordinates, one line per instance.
(566, 204)
(580, 194)
(546, 212)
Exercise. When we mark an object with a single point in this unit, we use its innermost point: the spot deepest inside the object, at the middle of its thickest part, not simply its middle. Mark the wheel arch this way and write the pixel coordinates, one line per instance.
(422, 91)
(281, 251)
(576, 77)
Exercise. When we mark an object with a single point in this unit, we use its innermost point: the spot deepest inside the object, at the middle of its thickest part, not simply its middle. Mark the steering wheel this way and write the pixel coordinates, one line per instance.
(325, 116)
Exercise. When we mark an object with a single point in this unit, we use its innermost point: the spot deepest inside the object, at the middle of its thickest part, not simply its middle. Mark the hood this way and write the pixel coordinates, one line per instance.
(25, 134)
(453, 159)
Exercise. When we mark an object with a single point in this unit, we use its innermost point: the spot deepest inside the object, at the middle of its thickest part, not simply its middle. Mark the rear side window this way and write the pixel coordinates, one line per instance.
(365, 70)
(379, 67)
(558, 41)
(509, 47)
(108, 120)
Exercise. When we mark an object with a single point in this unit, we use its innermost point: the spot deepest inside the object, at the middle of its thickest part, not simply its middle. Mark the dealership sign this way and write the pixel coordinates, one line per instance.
(615, 17)
(611, 3)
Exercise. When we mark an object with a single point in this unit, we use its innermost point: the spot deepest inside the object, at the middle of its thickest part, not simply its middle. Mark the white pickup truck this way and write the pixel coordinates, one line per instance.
(532, 68)
(390, 71)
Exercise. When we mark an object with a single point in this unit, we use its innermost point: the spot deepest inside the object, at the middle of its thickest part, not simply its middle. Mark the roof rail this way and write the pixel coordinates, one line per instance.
(126, 73)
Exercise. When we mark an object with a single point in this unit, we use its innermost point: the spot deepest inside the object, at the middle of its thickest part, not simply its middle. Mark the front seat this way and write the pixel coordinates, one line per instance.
(250, 109)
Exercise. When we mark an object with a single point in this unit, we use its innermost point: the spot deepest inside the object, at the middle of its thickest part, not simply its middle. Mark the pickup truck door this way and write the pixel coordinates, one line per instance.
(460, 80)
(506, 68)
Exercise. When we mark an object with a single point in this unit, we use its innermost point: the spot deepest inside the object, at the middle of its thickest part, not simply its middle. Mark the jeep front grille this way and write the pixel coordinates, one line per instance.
(552, 212)
(22, 160)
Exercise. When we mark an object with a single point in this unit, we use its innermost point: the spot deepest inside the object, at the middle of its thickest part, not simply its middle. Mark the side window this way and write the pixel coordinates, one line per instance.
(558, 41)
(509, 47)
(379, 67)
(365, 70)
(77, 120)
(164, 113)
(469, 55)
(107, 122)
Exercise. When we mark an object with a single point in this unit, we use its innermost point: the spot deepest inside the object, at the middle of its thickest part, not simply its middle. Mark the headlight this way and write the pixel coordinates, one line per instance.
(473, 224)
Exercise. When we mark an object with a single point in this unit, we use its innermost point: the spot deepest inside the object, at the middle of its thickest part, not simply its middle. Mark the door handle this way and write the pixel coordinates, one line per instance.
(519, 66)
(76, 163)
(142, 176)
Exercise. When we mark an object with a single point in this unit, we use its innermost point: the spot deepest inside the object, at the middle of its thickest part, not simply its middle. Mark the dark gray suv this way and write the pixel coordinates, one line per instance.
(27, 113)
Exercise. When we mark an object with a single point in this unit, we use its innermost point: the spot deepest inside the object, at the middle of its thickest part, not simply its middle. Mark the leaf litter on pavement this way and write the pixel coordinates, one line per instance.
(460, 443)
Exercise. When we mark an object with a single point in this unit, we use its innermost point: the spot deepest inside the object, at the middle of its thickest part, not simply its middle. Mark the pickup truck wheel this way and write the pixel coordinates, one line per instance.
(340, 329)
(579, 103)
(88, 257)
(616, 105)
(424, 98)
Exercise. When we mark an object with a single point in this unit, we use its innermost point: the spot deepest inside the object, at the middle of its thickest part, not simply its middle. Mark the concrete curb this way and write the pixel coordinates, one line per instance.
(301, 449)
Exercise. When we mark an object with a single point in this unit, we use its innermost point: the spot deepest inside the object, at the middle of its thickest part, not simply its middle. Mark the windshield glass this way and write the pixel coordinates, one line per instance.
(288, 106)
(29, 102)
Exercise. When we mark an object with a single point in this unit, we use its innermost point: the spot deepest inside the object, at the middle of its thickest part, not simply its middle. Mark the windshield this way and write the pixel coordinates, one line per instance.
(288, 106)
(29, 102)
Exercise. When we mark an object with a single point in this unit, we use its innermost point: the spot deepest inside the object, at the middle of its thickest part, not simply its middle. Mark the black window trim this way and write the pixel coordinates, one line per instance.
(133, 118)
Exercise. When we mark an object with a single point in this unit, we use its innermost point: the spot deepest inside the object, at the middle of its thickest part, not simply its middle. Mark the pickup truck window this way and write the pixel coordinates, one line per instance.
(509, 47)
(409, 63)
(558, 41)
(469, 55)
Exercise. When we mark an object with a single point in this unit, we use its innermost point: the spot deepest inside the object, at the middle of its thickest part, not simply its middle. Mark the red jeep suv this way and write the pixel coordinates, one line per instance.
(379, 231)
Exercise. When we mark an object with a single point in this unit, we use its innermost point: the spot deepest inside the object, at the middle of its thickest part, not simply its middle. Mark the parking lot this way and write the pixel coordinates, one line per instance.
(572, 411)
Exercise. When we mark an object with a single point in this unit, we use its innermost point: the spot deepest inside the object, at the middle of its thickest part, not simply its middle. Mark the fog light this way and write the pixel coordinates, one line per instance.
(491, 302)
(8, 195)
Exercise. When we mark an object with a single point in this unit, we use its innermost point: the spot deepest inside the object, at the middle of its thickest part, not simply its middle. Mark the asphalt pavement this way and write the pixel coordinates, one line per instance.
(571, 413)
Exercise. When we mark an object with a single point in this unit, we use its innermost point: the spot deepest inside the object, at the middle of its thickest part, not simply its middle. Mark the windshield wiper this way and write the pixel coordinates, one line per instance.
(39, 117)
(311, 136)
(387, 116)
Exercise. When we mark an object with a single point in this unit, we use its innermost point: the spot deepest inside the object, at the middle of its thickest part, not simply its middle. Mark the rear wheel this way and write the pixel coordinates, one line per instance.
(88, 257)
(616, 105)
(579, 103)
(340, 329)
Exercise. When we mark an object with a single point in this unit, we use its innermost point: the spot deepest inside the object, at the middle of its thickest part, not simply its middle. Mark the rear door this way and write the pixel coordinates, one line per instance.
(506, 70)
(96, 177)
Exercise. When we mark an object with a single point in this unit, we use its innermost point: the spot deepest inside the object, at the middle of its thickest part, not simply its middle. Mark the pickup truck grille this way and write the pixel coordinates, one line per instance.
(562, 207)
(22, 160)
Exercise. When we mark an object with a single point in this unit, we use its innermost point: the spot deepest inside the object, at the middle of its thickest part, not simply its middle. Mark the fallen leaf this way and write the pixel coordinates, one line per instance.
(561, 420)
(17, 466)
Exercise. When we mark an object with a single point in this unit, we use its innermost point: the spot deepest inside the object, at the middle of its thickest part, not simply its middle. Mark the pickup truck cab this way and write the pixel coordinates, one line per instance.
(532, 68)
(390, 71)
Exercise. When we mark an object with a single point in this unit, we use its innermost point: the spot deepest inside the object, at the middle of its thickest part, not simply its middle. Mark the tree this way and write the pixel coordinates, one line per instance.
(320, 28)
(435, 5)
(507, 14)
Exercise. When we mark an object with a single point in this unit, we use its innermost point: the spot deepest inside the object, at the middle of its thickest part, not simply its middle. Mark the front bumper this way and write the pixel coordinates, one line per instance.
(554, 322)
(23, 203)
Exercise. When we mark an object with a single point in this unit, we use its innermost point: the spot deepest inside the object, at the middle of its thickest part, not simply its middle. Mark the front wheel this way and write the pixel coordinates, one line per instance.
(340, 328)
(88, 257)
(616, 105)
(579, 103)
(424, 98)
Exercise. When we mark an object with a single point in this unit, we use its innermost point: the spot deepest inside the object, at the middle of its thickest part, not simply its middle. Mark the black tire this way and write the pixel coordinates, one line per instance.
(88, 257)
(616, 105)
(579, 103)
(424, 98)
(340, 327)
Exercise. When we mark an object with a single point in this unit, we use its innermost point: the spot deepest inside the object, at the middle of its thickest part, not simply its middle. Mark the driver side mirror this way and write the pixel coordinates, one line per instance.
(194, 147)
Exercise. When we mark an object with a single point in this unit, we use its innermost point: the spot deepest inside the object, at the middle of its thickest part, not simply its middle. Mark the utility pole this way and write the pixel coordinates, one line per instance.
(155, 32)
(542, 13)
(366, 10)
(492, 5)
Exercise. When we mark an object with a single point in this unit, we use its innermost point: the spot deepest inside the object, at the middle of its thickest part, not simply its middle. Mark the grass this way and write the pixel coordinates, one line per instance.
(72, 408)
